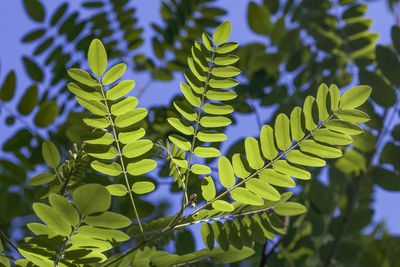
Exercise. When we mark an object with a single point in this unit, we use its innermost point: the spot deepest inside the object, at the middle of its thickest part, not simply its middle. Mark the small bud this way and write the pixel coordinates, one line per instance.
(193, 198)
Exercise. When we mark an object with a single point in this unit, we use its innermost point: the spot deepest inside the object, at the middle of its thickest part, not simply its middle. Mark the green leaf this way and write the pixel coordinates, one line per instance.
(58, 14)
(262, 189)
(233, 254)
(103, 234)
(114, 74)
(220, 235)
(131, 136)
(196, 70)
(220, 95)
(91, 198)
(35, 10)
(292, 170)
(95, 107)
(84, 92)
(207, 41)
(210, 136)
(208, 188)
(181, 126)
(29, 101)
(207, 235)
(355, 97)
(108, 220)
(194, 83)
(223, 83)
(225, 171)
(217, 109)
(310, 111)
(320, 150)
(143, 187)
(131, 117)
(323, 110)
(344, 127)
(64, 208)
(222, 205)
(226, 47)
(8, 88)
(254, 13)
(82, 76)
(33, 35)
(180, 162)
(267, 141)
(141, 167)
(275, 178)
(240, 166)
(137, 148)
(200, 169)
(180, 142)
(52, 218)
(119, 190)
(187, 91)
(298, 157)
(47, 113)
(50, 154)
(282, 132)
(41, 229)
(34, 71)
(206, 152)
(185, 110)
(225, 72)
(222, 32)
(290, 209)
(97, 57)
(42, 178)
(383, 93)
(100, 123)
(226, 60)
(335, 97)
(332, 137)
(120, 89)
(297, 124)
(253, 153)
(124, 105)
(386, 179)
(112, 169)
(101, 151)
(242, 195)
(388, 63)
(353, 115)
(214, 121)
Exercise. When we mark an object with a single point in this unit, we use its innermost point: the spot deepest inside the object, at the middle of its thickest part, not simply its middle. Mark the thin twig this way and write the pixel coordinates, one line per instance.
(265, 256)
(258, 117)
(7, 256)
(5, 238)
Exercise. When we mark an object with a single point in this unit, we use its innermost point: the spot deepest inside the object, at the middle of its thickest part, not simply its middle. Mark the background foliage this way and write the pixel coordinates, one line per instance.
(301, 44)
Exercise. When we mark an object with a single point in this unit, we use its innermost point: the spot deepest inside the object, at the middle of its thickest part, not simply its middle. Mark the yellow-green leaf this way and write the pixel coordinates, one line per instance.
(240, 166)
(226, 173)
(319, 149)
(267, 141)
(225, 72)
(243, 195)
(353, 115)
(310, 111)
(217, 109)
(290, 209)
(322, 94)
(335, 97)
(180, 142)
(50, 154)
(210, 136)
(355, 97)
(141, 167)
(131, 136)
(344, 127)
(96, 107)
(206, 152)
(298, 157)
(82, 76)
(181, 126)
(120, 89)
(97, 57)
(226, 47)
(112, 169)
(119, 190)
(84, 92)
(214, 121)
(131, 117)
(207, 41)
(253, 153)
(52, 218)
(222, 205)
(143, 187)
(208, 188)
(222, 32)
(297, 124)
(124, 105)
(220, 95)
(187, 91)
(185, 110)
(114, 73)
(332, 137)
(226, 60)
(262, 189)
(292, 170)
(273, 177)
(282, 132)
(200, 169)
(137, 148)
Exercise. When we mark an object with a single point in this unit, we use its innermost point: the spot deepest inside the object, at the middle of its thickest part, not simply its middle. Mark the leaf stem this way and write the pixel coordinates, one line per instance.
(211, 64)
(265, 167)
(109, 116)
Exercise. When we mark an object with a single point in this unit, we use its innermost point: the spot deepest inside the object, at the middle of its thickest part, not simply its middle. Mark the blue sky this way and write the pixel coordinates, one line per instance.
(14, 24)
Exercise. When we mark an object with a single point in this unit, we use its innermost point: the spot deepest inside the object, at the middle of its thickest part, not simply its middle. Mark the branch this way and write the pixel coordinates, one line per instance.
(6, 239)
(265, 256)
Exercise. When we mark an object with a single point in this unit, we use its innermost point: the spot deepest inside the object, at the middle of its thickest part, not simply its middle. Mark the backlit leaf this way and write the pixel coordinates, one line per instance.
(226, 60)
(298, 157)
(143, 187)
(82, 77)
(95, 107)
(267, 141)
(262, 189)
(180, 142)
(332, 137)
(112, 169)
(64, 208)
(137, 148)
(221, 95)
(222, 32)
(226, 47)
(117, 189)
(319, 149)
(240, 166)
(310, 113)
(209, 136)
(355, 97)
(290, 209)
(323, 110)
(253, 153)
(225, 72)
(181, 126)
(297, 124)
(223, 83)
(214, 121)
(273, 177)
(292, 170)
(124, 105)
(84, 92)
(131, 117)
(207, 41)
(208, 188)
(141, 167)
(114, 73)
(282, 132)
(335, 97)
(91, 198)
(243, 195)
(50, 154)
(120, 89)
(97, 57)
(226, 173)
(200, 169)
(108, 220)
(207, 234)
(344, 127)
(189, 95)
(353, 115)
(222, 205)
(206, 152)
(52, 218)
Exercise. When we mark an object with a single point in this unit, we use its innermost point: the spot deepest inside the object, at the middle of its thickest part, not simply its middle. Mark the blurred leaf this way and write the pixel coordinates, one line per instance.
(386, 179)
(33, 69)
(50, 154)
(258, 18)
(8, 88)
(29, 101)
(388, 63)
(35, 9)
(47, 113)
